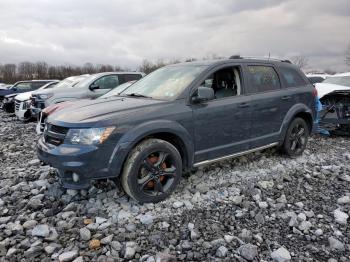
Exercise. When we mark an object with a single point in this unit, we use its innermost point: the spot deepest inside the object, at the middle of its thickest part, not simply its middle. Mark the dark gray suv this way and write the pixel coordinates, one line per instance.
(179, 117)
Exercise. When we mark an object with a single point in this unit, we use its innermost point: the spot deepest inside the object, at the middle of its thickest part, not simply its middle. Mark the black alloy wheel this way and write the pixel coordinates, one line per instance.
(152, 171)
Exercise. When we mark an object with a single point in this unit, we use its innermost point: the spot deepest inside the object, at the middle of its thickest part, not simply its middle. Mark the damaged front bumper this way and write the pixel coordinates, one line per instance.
(78, 165)
(335, 115)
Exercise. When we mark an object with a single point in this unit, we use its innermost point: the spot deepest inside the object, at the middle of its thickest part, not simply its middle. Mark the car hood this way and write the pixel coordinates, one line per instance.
(56, 107)
(102, 111)
(23, 96)
(5, 92)
(57, 91)
(11, 95)
(325, 88)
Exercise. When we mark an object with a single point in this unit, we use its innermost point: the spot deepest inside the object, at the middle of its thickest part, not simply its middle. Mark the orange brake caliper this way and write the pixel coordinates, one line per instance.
(152, 160)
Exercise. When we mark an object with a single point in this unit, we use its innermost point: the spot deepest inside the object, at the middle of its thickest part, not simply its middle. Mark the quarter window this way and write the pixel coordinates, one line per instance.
(292, 77)
(262, 79)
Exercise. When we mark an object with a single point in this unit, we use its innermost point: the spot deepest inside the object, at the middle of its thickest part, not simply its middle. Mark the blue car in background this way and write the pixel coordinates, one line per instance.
(6, 100)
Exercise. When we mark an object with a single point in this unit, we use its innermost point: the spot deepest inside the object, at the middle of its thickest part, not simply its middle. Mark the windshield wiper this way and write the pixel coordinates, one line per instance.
(137, 95)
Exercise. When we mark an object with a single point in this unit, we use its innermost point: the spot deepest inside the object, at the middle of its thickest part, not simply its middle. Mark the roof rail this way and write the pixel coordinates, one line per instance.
(261, 58)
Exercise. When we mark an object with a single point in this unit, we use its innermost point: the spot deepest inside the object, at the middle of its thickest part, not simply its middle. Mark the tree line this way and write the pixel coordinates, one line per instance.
(11, 73)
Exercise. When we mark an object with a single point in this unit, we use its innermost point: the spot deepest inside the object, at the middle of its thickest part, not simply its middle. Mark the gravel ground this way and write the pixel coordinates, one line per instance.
(260, 207)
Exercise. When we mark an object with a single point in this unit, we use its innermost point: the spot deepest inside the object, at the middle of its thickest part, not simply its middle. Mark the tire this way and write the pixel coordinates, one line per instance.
(296, 138)
(152, 171)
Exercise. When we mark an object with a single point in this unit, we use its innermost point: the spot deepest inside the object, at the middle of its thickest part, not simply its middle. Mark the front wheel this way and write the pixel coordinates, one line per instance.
(296, 138)
(152, 171)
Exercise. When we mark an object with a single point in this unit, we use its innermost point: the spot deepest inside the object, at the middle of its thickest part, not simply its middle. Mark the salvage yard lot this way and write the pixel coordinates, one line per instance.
(247, 207)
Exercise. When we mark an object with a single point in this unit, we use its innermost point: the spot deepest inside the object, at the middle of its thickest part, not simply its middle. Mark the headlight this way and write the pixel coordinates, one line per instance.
(45, 96)
(88, 136)
(26, 104)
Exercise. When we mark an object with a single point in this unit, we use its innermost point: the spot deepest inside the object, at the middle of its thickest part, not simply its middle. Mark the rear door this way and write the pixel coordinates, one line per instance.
(296, 87)
(268, 102)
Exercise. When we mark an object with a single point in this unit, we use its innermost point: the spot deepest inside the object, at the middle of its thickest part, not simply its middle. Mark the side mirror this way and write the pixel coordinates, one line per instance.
(93, 87)
(203, 94)
(14, 88)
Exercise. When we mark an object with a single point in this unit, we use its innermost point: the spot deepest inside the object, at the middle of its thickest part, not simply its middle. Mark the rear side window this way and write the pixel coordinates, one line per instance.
(36, 85)
(291, 77)
(131, 77)
(262, 79)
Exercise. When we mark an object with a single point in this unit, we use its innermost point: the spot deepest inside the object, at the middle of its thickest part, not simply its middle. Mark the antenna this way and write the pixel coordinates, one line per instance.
(269, 56)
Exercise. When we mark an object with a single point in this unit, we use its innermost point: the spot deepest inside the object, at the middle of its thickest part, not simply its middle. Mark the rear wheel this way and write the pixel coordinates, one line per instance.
(296, 138)
(152, 171)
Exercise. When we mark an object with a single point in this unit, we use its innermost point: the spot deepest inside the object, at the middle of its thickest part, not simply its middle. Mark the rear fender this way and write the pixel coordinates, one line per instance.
(293, 111)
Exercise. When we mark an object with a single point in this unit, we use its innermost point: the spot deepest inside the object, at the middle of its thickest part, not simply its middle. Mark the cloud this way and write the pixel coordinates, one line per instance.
(126, 32)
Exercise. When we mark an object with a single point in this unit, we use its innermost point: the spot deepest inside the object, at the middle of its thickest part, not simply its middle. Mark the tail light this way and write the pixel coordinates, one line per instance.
(314, 92)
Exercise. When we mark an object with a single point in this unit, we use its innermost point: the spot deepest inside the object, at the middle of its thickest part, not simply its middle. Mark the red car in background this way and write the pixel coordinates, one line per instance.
(56, 107)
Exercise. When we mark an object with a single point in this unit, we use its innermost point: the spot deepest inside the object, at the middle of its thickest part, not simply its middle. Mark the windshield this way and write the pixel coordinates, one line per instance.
(69, 82)
(338, 80)
(86, 81)
(117, 90)
(165, 83)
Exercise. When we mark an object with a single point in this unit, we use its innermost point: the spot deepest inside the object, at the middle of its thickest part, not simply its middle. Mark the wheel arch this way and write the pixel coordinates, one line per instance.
(298, 110)
(166, 130)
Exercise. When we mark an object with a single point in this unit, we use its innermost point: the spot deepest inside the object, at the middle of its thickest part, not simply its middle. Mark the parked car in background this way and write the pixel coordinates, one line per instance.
(38, 98)
(179, 117)
(334, 94)
(23, 102)
(19, 87)
(56, 107)
(91, 87)
(4, 86)
(316, 78)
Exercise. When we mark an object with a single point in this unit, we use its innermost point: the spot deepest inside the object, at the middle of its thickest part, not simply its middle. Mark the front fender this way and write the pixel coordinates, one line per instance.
(293, 111)
(136, 134)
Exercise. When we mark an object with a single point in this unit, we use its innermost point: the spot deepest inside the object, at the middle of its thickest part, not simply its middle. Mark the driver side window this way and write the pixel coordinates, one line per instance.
(24, 86)
(107, 82)
(225, 82)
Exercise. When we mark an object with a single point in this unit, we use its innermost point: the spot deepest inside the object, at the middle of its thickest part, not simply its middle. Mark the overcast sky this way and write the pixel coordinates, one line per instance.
(124, 32)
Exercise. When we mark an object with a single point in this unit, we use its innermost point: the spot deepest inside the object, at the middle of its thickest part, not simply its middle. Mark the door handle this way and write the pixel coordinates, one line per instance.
(243, 105)
(286, 97)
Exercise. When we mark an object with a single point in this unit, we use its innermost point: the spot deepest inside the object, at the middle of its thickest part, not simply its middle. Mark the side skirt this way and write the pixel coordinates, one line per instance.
(206, 162)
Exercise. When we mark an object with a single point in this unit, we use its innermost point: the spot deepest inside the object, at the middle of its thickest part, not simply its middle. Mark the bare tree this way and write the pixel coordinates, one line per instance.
(41, 70)
(300, 61)
(88, 68)
(27, 70)
(9, 73)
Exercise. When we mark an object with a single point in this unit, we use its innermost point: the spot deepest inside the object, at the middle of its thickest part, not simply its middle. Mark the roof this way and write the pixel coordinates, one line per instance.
(120, 73)
(343, 74)
(238, 60)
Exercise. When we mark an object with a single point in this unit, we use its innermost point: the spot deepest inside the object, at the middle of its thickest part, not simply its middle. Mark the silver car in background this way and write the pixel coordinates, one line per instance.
(39, 96)
(23, 102)
(91, 87)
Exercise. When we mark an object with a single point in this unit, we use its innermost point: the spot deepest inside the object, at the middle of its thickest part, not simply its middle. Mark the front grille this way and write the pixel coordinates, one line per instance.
(37, 102)
(59, 129)
(17, 105)
(55, 135)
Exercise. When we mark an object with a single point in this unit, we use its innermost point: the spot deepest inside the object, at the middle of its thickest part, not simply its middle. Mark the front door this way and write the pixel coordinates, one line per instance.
(222, 125)
(105, 84)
